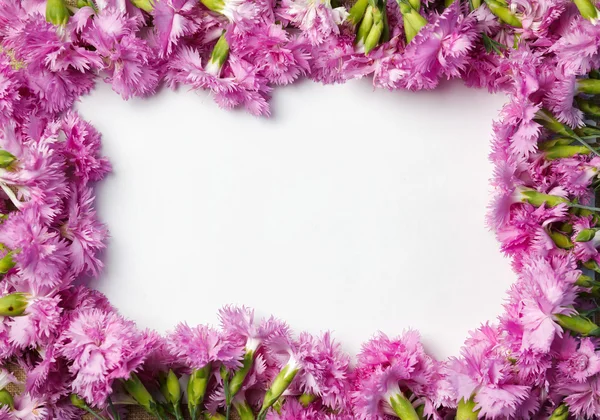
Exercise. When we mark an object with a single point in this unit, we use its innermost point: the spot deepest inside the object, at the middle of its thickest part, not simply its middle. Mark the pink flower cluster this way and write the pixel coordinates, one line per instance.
(541, 359)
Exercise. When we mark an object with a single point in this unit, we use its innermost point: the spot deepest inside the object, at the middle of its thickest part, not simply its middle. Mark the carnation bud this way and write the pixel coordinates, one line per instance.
(589, 86)
(357, 12)
(7, 262)
(578, 324)
(6, 159)
(592, 265)
(170, 388)
(403, 407)
(13, 304)
(215, 416)
(413, 21)
(538, 199)
(281, 382)
(365, 25)
(57, 12)
(561, 413)
(196, 389)
(585, 281)
(561, 240)
(503, 13)
(78, 402)
(588, 107)
(6, 399)
(306, 399)
(376, 33)
(586, 235)
(218, 56)
(145, 5)
(466, 410)
(138, 391)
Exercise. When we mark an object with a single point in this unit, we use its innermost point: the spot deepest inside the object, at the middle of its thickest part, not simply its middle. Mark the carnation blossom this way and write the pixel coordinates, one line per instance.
(102, 347)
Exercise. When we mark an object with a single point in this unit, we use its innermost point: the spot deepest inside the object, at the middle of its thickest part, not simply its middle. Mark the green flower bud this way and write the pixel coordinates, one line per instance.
(466, 410)
(170, 388)
(578, 324)
(365, 26)
(307, 399)
(6, 399)
(586, 235)
(503, 13)
(475, 4)
(244, 410)
(403, 408)
(57, 12)
(281, 382)
(218, 56)
(413, 21)
(374, 35)
(357, 11)
(13, 304)
(138, 391)
(196, 389)
(537, 199)
(561, 413)
(216, 416)
(7, 262)
(588, 107)
(561, 240)
(589, 86)
(214, 5)
(6, 159)
(145, 5)
(559, 152)
(585, 281)
(587, 9)
(78, 402)
(592, 265)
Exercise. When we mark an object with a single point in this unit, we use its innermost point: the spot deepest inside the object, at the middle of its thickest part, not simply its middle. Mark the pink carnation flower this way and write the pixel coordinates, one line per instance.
(197, 347)
(101, 347)
(174, 19)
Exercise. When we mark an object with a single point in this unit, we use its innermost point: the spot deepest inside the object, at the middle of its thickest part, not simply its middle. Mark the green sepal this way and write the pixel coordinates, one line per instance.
(307, 399)
(6, 159)
(376, 32)
(561, 240)
(586, 235)
(578, 324)
(145, 5)
(240, 375)
(592, 265)
(588, 107)
(365, 25)
(57, 12)
(537, 199)
(357, 11)
(219, 53)
(589, 86)
(244, 410)
(561, 152)
(548, 121)
(138, 391)
(6, 399)
(559, 141)
(170, 387)
(466, 410)
(14, 304)
(403, 407)
(587, 9)
(281, 382)
(196, 389)
(503, 13)
(585, 281)
(7, 262)
(560, 413)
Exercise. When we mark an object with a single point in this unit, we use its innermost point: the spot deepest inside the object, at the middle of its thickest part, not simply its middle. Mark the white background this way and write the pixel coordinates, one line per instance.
(350, 209)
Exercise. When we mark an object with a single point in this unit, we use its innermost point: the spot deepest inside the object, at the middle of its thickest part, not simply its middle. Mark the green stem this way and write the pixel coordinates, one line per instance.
(114, 411)
(403, 408)
(580, 206)
(93, 413)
